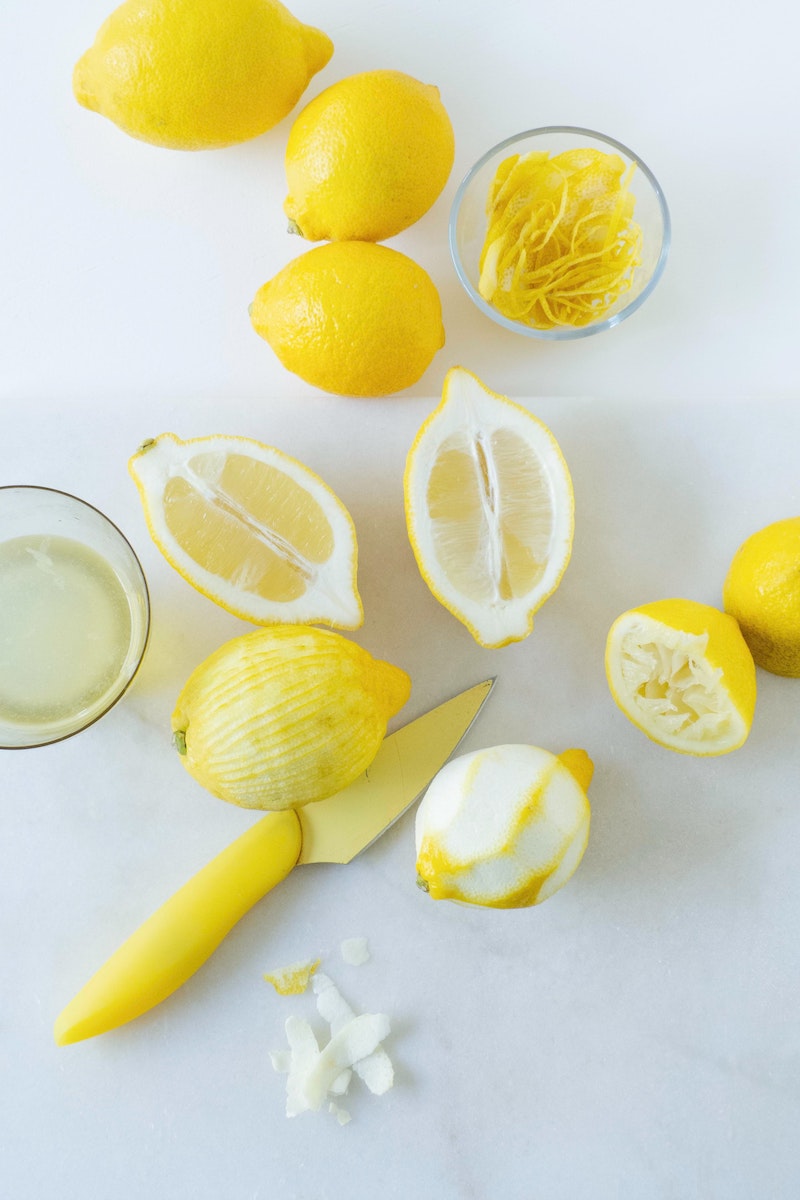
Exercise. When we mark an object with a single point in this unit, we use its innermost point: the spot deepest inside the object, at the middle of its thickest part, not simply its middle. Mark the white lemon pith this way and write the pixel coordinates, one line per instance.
(285, 716)
(199, 74)
(489, 509)
(504, 827)
(682, 673)
(251, 528)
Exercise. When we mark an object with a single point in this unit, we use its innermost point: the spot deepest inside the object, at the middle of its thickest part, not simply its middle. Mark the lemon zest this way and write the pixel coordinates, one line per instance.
(561, 247)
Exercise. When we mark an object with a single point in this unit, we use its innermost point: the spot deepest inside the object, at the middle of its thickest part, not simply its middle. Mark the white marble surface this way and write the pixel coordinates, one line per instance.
(636, 1036)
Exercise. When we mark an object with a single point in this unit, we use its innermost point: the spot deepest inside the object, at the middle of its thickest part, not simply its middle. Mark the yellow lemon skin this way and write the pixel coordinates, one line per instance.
(504, 827)
(285, 716)
(762, 591)
(199, 74)
(352, 318)
(367, 158)
(689, 682)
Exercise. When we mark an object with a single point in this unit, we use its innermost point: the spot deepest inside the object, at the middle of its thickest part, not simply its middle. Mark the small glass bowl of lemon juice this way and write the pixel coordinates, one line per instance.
(74, 615)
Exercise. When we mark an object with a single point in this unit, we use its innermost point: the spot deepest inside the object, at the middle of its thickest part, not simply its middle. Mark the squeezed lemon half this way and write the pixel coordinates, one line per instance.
(251, 528)
(504, 827)
(682, 672)
(489, 509)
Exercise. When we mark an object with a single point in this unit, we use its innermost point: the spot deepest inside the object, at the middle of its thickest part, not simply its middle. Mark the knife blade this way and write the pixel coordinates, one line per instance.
(181, 935)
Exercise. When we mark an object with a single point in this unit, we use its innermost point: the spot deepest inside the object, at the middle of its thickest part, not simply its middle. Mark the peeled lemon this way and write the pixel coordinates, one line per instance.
(504, 827)
(285, 716)
(351, 318)
(199, 74)
(762, 591)
(367, 158)
(251, 528)
(682, 672)
(489, 509)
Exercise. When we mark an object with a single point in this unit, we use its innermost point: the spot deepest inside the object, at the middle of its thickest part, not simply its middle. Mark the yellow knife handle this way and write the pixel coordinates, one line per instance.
(177, 939)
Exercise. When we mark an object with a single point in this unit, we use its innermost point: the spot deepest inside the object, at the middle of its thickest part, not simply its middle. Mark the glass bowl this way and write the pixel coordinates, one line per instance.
(468, 225)
(74, 615)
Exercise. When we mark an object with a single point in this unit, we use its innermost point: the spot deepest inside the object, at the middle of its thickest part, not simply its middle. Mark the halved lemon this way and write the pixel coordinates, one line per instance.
(251, 528)
(489, 509)
(682, 672)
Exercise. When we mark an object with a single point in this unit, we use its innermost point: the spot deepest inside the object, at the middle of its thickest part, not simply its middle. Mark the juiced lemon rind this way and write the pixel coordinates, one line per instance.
(680, 671)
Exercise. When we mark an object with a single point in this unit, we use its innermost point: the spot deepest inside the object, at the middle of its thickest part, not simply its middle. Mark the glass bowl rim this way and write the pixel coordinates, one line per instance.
(560, 333)
(62, 737)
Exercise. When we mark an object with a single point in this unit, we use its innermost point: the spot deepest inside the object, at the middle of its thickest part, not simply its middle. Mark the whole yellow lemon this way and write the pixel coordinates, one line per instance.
(367, 157)
(762, 591)
(351, 318)
(199, 74)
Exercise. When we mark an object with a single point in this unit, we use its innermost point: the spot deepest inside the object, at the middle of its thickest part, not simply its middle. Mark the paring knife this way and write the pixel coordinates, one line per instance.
(178, 938)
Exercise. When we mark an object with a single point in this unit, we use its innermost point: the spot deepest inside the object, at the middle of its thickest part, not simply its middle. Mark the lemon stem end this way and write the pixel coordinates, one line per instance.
(579, 765)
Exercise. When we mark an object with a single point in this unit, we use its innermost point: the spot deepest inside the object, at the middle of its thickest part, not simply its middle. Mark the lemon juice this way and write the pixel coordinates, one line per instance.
(65, 631)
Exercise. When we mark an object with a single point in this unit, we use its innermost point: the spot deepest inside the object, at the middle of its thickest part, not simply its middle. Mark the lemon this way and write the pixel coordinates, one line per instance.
(504, 827)
(367, 158)
(198, 74)
(762, 591)
(682, 672)
(285, 716)
(351, 318)
(489, 509)
(251, 528)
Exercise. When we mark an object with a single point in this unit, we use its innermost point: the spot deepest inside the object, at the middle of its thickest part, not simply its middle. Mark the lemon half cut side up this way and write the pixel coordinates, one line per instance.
(489, 509)
(251, 528)
(681, 671)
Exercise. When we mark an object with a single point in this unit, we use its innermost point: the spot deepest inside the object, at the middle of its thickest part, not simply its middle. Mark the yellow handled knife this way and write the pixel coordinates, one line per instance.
(177, 939)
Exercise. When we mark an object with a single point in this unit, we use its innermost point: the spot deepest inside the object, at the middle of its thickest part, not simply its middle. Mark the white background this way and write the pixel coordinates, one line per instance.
(635, 1037)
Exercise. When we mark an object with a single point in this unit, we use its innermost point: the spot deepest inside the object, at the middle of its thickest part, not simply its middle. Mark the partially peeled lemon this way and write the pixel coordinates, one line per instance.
(285, 716)
(504, 827)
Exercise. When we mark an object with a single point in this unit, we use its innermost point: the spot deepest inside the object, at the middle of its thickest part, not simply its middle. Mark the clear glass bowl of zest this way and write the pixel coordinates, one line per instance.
(469, 224)
(74, 615)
